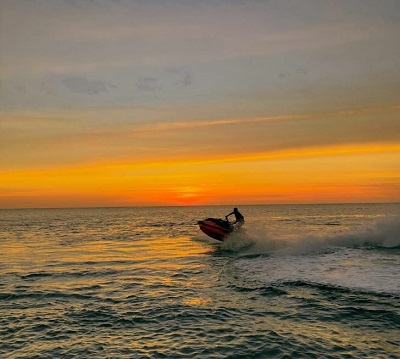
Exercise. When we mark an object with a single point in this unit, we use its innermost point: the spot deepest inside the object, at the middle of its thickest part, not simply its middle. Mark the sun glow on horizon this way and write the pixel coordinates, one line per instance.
(328, 174)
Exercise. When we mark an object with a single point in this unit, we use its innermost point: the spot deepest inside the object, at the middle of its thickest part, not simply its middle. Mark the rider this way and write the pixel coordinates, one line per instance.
(239, 219)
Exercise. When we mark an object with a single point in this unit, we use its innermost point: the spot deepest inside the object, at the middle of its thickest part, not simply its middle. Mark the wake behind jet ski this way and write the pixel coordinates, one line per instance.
(220, 229)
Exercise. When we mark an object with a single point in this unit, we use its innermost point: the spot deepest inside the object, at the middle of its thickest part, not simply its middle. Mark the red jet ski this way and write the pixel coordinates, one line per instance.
(216, 228)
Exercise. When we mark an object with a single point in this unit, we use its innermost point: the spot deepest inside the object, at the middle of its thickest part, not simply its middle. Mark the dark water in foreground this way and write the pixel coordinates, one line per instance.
(318, 281)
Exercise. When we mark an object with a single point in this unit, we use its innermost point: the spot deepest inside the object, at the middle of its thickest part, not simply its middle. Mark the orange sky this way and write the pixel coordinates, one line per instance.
(332, 174)
(173, 103)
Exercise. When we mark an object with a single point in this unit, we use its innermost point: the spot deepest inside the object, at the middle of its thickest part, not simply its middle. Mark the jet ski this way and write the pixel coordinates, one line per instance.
(216, 228)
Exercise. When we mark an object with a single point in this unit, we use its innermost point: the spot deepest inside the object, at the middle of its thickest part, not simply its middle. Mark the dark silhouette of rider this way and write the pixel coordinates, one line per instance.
(239, 219)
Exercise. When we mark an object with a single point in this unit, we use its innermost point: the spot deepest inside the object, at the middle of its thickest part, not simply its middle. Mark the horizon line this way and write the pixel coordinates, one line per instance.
(200, 205)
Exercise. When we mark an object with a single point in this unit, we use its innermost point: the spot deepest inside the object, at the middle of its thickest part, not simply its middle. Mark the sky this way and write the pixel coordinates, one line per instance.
(195, 102)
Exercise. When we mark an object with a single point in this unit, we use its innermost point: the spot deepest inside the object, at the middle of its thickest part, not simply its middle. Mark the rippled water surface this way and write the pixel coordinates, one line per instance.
(317, 281)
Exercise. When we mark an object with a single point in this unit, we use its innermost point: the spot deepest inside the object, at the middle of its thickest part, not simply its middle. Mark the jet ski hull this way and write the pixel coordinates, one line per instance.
(216, 228)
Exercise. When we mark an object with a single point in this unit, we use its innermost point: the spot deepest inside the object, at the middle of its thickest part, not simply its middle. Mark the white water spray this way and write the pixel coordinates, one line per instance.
(382, 233)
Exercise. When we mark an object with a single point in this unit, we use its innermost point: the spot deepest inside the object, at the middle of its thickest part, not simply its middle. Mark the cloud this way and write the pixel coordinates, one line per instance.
(255, 54)
(81, 85)
(37, 140)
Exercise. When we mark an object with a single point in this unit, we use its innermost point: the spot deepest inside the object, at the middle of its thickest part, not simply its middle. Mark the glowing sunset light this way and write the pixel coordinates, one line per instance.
(158, 103)
(313, 175)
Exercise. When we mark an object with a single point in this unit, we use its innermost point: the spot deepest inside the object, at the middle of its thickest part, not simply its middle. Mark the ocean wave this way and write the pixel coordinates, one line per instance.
(384, 233)
(333, 291)
(36, 296)
(263, 290)
(75, 273)
(163, 295)
(336, 289)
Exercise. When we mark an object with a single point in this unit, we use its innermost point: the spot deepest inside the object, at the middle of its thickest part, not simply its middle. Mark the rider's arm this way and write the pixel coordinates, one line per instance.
(226, 217)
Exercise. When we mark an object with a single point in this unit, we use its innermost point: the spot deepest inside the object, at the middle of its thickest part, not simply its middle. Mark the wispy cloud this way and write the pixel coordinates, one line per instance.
(41, 141)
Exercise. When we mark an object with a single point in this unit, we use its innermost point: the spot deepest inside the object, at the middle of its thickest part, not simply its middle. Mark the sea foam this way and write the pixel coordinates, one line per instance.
(384, 232)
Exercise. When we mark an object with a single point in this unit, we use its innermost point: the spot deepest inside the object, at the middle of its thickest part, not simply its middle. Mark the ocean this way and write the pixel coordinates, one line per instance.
(300, 281)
